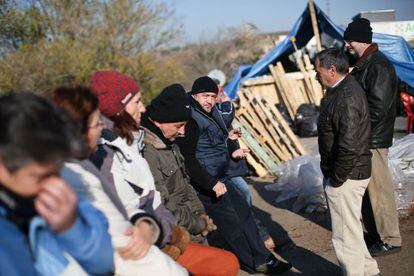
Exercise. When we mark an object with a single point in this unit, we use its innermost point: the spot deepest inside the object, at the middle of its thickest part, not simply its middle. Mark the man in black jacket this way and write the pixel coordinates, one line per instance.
(378, 79)
(207, 151)
(343, 133)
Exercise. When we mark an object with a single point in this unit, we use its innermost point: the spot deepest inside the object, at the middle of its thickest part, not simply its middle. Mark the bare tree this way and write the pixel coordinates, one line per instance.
(50, 42)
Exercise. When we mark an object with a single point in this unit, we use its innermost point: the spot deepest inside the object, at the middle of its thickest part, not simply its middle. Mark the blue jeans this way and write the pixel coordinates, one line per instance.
(242, 187)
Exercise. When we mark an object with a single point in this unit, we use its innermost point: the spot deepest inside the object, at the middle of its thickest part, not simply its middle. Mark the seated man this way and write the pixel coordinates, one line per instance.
(207, 150)
(164, 120)
(45, 229)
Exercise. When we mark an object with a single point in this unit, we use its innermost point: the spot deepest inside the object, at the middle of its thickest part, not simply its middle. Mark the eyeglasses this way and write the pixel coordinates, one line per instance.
(99, 124)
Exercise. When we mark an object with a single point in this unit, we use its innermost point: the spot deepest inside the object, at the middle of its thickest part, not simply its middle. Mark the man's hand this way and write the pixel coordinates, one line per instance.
(56, 203)
(240, 153)
(220, 189)
(235, 134)
(139, 243)
(210, 226)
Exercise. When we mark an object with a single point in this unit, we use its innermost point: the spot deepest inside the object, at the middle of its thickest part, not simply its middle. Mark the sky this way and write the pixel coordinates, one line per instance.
(202, 19)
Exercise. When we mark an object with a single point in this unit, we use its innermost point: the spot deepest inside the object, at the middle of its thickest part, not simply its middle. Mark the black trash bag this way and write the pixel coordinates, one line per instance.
(285, 113)
(306, 120)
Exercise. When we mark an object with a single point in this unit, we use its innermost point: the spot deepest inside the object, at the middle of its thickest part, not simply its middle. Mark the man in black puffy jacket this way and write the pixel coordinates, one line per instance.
(377, 76)
(343, 133)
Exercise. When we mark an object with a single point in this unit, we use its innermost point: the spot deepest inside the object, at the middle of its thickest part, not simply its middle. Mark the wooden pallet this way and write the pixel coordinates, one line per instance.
(265, 132)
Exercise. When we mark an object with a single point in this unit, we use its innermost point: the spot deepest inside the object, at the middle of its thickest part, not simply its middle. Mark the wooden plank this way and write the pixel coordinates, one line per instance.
(257, 130)
(282, 90)
(262, 80)
(254, 161)
(257, 133)
(286, 128)
(315, 26)
(278, 145)
(283, 136)
(256, 148)
(296, 96)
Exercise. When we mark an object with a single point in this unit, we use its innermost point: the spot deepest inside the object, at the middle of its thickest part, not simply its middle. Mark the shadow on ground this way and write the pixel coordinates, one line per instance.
(304, 261)
(322, 219)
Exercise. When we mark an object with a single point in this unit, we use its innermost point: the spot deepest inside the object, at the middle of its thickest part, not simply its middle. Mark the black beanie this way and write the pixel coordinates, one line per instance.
(359, 30)
(204, 84)
(172, 105)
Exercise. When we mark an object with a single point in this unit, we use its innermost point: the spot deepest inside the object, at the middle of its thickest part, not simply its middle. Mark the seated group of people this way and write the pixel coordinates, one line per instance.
(93, 182)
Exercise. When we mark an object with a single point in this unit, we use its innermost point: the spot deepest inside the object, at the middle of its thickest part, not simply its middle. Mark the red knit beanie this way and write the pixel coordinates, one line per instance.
(114, 90)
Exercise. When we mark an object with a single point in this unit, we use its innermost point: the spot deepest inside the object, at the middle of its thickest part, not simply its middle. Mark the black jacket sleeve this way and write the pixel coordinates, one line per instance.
(188, 145)
(232, 146)
(381, 88)
(348, 147)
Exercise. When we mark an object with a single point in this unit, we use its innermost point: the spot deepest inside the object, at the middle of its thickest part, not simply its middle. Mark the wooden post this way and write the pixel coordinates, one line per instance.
(301, 66)
(315, 25)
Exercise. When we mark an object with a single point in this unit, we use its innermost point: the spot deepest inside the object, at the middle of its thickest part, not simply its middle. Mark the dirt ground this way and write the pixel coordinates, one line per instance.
(307, 238)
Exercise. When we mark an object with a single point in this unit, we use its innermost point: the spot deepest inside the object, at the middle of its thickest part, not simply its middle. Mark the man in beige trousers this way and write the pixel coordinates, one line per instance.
(377, 77)
(343, 133)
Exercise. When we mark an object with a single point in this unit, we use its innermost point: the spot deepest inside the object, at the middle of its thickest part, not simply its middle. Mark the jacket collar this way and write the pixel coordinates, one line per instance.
(150, 138)
(332, 90)
(113, 140)
(367, 55)
(214, 115)
(152, 134)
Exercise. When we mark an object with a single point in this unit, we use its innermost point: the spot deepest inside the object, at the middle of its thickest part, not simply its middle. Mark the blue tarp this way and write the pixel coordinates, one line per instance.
(394, 47)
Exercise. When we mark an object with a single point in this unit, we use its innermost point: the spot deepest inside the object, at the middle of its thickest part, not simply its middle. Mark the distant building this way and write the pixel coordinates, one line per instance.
(377, 16)
(383, 21)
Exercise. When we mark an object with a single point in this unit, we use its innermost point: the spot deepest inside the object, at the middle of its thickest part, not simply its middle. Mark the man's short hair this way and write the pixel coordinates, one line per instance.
(32, 129)
(335, 57)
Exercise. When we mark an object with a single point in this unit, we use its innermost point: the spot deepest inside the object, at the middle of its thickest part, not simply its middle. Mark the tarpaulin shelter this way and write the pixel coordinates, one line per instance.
(394, 47)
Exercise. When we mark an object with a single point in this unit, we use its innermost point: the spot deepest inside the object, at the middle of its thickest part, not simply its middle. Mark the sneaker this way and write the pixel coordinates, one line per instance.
(383, 249)
(273, 266)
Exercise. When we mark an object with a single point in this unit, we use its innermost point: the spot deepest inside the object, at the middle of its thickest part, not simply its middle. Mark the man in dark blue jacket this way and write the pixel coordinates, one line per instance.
(207, 152)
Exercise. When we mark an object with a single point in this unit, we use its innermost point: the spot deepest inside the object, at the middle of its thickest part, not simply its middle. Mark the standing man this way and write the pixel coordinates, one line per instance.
(207, 151)
(343, 133)
(377, 77)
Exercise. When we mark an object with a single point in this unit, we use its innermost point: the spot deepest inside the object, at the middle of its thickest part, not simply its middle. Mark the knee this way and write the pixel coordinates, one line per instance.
(231, 263)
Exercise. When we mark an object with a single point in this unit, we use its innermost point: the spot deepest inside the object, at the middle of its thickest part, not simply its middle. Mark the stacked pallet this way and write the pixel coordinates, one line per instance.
(291, 89)
(265, 133)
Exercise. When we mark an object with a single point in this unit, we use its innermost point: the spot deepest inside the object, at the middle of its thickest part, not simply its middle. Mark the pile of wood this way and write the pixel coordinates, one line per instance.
(290, 89)
(265, 133)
